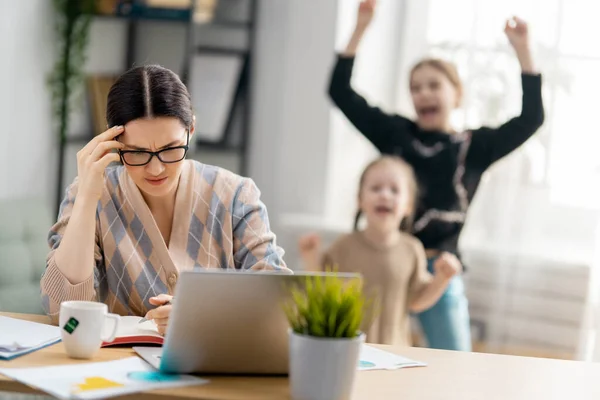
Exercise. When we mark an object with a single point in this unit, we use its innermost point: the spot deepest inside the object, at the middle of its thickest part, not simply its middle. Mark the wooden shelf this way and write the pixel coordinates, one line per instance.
(185, 17)
(139, 18)
(214, 23)
(137, 11)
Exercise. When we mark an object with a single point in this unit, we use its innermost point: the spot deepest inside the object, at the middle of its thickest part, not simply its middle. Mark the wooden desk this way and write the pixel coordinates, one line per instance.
(449, 375)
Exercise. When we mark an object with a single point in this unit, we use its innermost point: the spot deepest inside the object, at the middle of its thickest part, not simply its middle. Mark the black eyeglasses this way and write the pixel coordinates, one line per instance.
(138, 158)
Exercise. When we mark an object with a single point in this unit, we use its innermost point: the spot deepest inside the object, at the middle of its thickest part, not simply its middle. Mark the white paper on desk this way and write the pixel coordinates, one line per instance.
(19, 337)
(98, 380)
(372, 358)
(26, 333)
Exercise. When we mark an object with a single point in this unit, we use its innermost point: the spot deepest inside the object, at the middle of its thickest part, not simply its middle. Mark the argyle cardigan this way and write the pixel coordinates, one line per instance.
(219, 222)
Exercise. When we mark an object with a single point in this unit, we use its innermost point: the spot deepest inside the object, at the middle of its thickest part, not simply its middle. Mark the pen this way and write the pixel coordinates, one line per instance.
(168, 303)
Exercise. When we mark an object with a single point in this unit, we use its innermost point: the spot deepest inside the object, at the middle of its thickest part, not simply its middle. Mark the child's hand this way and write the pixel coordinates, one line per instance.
(366, 9)
(517, 32)
(310, 246)
(447, 265)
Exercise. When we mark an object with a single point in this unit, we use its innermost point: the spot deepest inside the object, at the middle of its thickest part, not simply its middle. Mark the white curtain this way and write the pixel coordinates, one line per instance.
(540, 204)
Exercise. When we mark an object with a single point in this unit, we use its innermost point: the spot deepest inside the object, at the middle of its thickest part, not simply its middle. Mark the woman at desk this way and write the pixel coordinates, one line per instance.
(124, 233)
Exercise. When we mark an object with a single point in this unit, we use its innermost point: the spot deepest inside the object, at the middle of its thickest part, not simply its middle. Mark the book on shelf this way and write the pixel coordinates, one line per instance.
(98, 88)
(178, 4)
(148, 9)
(106, 7)
(143, 10)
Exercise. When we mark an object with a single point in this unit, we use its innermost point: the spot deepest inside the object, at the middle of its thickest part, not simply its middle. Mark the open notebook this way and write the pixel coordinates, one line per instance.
(19, 337)
(132, 332)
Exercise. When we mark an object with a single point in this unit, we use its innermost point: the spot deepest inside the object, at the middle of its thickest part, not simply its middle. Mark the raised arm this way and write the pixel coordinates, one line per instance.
(366, 10)
(387, 132)
(517, 32)
(489, 145)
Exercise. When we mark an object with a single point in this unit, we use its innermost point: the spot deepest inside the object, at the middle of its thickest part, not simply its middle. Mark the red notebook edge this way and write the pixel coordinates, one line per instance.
(134, 340)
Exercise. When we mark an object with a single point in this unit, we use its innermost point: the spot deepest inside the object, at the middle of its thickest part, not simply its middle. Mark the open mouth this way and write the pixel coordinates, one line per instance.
(428, 111)
(383, 210)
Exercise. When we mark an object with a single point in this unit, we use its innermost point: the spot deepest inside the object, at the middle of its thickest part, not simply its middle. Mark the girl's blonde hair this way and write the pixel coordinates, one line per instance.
(445, 67)
(408, 174)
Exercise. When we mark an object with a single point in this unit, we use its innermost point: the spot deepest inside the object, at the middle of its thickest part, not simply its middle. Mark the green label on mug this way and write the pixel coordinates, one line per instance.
(71, 325)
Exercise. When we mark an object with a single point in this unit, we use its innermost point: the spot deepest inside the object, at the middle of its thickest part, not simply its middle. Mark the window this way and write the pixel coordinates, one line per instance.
(563, 155)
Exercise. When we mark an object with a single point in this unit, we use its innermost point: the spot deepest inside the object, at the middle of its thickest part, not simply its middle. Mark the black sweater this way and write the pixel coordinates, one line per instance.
(448, 166)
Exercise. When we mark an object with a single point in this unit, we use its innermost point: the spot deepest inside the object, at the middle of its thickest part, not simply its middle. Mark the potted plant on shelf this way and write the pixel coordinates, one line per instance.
(326, 315)
(72, 20)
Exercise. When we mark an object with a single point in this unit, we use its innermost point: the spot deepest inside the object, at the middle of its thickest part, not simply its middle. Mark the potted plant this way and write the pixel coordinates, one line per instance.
(326, 315)
(65, 80)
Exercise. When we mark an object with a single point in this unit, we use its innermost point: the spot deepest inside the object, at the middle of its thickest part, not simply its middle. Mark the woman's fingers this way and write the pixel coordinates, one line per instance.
(160, 315)
(160, 299)
(161, 321)
(104, 147)
(109, 134)
(159, 312)
(106, 160)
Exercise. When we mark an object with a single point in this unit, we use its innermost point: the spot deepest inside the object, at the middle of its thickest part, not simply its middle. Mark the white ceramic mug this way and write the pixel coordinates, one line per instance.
(82, 325)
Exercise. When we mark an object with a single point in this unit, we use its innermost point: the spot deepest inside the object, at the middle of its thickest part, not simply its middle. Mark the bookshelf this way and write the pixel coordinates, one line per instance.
(233, 130)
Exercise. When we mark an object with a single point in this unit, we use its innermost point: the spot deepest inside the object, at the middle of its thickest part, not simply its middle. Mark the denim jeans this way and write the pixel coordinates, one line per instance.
(446, 325)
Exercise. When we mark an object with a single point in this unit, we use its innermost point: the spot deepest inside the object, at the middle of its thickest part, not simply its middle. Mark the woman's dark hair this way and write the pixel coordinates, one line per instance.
(409, 175)
(146, 92)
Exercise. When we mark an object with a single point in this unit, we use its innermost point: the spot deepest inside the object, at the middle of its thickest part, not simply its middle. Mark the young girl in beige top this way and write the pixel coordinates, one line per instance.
(393, 263)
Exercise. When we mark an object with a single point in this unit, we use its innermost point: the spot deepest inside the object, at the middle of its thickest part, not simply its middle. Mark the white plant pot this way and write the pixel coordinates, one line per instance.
(323, 368)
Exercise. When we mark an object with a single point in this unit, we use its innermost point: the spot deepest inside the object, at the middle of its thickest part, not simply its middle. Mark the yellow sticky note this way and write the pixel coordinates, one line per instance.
(95, 383)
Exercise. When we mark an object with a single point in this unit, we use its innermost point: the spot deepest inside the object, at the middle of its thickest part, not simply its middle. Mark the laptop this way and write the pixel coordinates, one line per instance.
(228, 322)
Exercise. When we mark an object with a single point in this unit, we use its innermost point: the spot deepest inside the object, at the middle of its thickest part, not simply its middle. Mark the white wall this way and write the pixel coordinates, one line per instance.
(28, 155)
(26, 135)
(375, 74)
(290, 119)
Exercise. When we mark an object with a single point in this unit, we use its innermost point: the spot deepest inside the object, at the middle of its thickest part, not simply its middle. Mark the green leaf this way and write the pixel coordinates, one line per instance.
(65, 80)
(327, 306)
